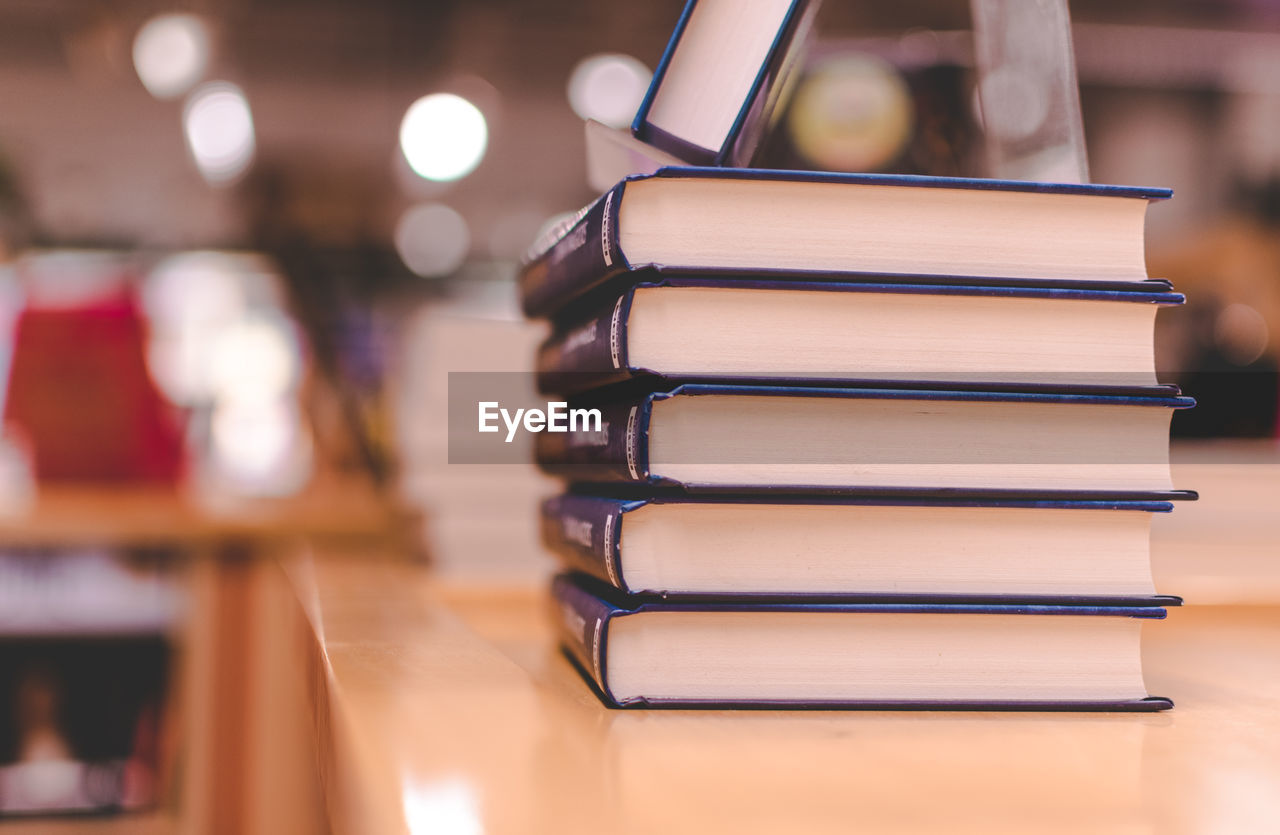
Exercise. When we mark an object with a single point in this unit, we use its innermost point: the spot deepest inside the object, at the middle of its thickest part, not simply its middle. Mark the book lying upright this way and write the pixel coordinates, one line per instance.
(787, 223)
(898, 655)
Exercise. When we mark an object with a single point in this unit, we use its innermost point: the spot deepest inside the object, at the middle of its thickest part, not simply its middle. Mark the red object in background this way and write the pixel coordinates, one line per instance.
(80, 392)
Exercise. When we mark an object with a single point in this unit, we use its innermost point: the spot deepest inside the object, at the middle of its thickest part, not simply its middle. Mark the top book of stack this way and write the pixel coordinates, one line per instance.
(725, 74)
(722, 82)
(727, 222)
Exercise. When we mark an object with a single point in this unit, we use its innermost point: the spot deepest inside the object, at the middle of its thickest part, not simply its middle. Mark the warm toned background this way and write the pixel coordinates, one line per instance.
(361, 646)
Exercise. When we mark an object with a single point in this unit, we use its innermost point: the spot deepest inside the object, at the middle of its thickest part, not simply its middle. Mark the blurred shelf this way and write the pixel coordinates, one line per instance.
(219, 687)
(135, 516)
(438, 703)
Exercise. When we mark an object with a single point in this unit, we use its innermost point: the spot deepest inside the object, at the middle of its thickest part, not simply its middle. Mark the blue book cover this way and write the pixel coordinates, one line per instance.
(584, 611)
(764, 98)
(583, 257)
(592, 351)
(617, 450)
(585, 532)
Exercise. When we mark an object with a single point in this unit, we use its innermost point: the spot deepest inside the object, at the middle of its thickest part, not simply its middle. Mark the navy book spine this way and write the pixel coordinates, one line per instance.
(764, 99)
(575, 261)
(583, 255)
(912, 181)
(615, 451)
(588, 355)
(776, 82)
(586, 532)
(592, 352)
(582, 619)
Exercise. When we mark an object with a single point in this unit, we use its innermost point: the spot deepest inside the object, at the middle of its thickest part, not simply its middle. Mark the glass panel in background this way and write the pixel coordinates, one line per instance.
(1030, 100)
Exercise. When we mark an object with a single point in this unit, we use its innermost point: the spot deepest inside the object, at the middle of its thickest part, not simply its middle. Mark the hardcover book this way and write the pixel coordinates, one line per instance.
(789, 223)
(775, 439)
(640, 652)
(700, 328)
(883, 549)
(726, 72)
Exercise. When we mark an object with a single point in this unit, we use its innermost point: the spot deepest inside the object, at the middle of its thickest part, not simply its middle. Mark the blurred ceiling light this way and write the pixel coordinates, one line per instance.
(219, 129)
(171, 53)
(608, 88)
(443, 137)
(432, 239)
(255, 360)
(853, 113)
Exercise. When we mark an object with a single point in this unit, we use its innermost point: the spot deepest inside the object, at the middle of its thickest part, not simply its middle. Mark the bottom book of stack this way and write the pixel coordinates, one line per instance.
(655, 652)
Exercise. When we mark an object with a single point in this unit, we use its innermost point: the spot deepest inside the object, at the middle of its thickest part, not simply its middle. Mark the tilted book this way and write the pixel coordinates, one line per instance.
(640, 652)
(724, 77)
(788, 223)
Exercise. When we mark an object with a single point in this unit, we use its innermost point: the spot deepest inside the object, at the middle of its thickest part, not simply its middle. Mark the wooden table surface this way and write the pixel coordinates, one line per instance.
(443, 709)
(227, 662)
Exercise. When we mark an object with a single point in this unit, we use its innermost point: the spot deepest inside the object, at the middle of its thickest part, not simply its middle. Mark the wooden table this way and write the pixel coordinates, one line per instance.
(444, 709)
(239, 757)
(351, 692)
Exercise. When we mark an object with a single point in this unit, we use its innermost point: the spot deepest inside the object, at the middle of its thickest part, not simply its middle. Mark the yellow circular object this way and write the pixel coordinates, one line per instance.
(854, 113)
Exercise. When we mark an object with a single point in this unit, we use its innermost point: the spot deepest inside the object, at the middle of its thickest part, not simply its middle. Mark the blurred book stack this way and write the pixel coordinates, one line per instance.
(862, 440)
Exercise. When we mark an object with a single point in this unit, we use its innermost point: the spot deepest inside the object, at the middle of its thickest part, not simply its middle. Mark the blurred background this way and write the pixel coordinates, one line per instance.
(242, 243)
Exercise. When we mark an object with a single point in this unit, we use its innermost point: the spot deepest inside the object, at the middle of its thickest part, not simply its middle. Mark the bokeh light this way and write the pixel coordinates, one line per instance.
(443, 137)
(190, 299)
(255, 360)
(608, 88)
(1241, 333)
(219, 130)
(261, 448)
(1012, 105)
(171, 53)
(432, 239)
(446, 805)
(853, 113)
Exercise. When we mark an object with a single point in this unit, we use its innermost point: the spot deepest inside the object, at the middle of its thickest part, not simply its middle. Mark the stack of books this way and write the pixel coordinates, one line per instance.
(863, 440)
